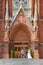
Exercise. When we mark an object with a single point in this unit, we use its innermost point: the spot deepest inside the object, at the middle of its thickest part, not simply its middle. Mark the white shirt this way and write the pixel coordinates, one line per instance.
(22, 51)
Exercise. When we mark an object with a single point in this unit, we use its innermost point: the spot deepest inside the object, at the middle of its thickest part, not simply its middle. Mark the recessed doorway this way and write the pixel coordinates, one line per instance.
(16, 48)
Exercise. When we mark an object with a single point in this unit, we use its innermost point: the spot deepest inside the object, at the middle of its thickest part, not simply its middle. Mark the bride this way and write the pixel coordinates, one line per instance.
(29, 55)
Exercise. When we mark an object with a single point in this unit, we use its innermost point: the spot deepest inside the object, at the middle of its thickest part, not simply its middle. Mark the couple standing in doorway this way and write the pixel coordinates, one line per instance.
(24, 53)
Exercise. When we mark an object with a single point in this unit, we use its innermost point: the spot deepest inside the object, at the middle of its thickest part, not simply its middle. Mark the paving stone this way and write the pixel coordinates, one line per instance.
(21, 61)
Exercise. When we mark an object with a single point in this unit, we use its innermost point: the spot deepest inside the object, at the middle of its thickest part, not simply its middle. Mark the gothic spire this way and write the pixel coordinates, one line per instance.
(6, 14)
(35, 11)
(21, 4)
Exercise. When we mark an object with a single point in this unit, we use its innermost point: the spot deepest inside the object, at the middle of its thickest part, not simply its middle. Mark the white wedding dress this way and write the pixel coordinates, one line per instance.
(29, 56)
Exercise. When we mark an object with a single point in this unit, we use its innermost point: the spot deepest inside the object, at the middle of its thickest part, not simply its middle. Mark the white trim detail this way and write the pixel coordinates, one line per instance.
(17, 14)
(40, 20)
(35, 11)
(6, 15)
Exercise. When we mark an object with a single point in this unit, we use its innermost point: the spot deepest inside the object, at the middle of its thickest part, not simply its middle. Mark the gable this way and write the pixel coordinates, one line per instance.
(21, 18)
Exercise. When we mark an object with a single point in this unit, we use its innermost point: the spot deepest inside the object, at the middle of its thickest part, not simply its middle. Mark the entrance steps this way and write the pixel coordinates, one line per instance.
(21, 61)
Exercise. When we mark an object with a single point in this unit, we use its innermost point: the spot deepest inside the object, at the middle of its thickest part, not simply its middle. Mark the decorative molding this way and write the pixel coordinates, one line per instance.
(17, 3)
(19, 41)
(2, 20)
(40, 20)
(6, 15)
(1, 44)
(15, 8)
(35, 11)
(36, 47)
(6, 28)
(35, 40)
(6, 40)
(41, 44)
(35, 28)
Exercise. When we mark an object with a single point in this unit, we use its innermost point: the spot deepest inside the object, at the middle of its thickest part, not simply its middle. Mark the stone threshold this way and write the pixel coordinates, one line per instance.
(21, 61)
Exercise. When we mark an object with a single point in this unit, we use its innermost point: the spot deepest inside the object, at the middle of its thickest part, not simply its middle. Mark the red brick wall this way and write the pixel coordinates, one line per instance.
(21, 35)
(41, 31)
(41, 9)
(10, 7)
(40, 23)
(2, 15)
(1, 50)
(1, 31)
(2, 8)
(41, 50)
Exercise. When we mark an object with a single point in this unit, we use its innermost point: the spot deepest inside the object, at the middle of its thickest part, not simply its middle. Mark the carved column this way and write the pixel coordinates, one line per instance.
(36, 40)
(31, 7)
(10, 7)
(6, 34)
(39, 8)
(35, 19)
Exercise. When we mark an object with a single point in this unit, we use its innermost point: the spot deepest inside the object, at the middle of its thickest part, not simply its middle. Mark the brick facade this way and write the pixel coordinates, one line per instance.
(21, 29)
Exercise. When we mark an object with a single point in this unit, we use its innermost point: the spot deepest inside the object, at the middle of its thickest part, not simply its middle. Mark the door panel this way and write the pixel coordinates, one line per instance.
(17, 52)
(18, 47)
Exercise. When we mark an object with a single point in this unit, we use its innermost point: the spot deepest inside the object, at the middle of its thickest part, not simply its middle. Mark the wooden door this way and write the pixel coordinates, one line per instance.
(17, 52)
(18, 47)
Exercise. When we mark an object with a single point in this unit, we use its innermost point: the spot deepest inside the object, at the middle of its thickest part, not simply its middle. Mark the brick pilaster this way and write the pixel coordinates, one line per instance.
(31, 7)
(10, 7)
(6, 33)
(39, 8)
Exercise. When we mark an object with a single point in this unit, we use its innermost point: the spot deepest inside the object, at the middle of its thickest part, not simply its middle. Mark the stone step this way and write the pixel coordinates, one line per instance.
(21, 61)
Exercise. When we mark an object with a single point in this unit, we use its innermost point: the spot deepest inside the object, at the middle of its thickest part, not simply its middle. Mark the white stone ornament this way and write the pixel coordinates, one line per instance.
(35, 11)
(6, 16)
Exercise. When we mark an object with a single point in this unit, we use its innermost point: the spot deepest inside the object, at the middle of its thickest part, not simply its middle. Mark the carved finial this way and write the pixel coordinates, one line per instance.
(35, 11)
(6, 14)
(21, 4)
